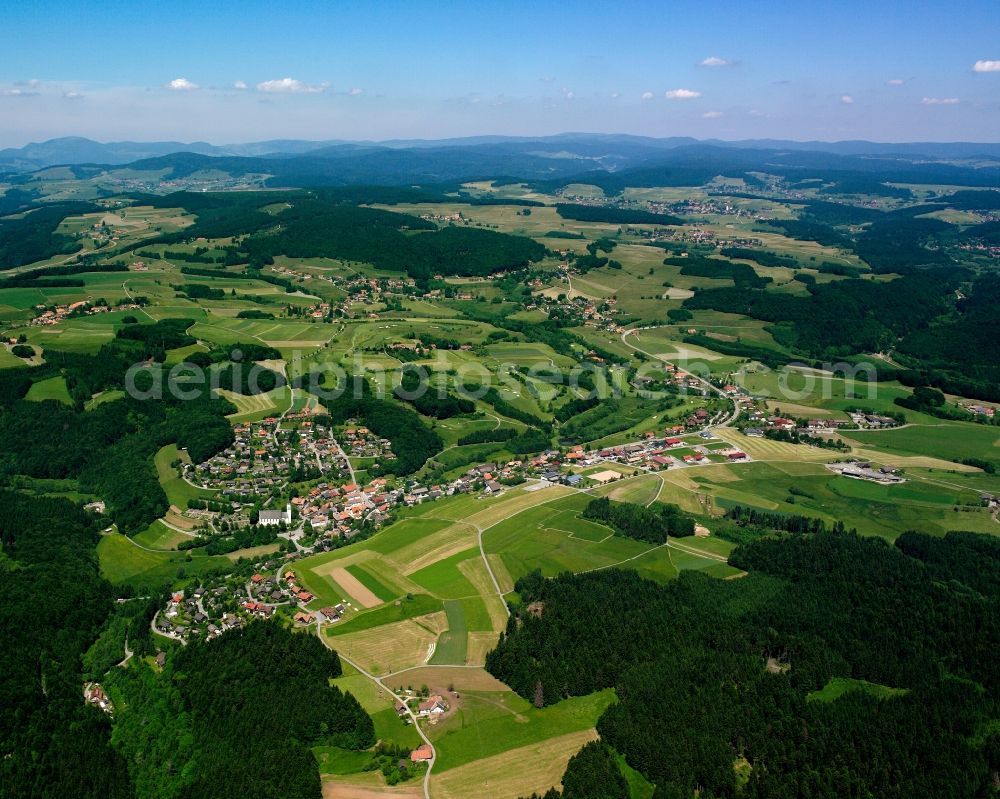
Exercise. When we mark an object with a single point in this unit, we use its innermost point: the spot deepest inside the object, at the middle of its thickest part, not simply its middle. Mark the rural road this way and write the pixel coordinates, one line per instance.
(715, 390)
(401, 700)
(128, 655)
(129, 295)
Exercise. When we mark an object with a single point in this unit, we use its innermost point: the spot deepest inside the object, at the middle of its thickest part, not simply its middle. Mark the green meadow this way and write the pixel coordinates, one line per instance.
(488, 723)
(122, 562)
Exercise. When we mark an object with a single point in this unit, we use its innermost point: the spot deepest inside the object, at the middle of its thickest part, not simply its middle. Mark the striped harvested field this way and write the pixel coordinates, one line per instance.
(518, 772)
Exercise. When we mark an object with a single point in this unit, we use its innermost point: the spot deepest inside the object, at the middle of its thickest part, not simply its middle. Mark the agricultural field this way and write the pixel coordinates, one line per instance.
(419, 592)
(488, 723)
(124, 562)
(177, 489)
(254, 407)
(797, 487)
(159, 536)
(943, 440)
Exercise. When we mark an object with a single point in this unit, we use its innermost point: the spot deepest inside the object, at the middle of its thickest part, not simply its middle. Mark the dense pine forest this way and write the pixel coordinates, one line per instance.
(728, 688)
(236, 717)
(55, 604)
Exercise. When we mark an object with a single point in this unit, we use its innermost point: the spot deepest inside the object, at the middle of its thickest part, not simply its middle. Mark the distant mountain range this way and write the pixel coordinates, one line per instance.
(609, 151)
(610, 161)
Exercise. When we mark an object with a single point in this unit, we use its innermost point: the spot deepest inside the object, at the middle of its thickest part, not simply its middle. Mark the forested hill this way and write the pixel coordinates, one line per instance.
(730, 688)
(235, 717)
(110, 448)
(54, 606)
(331, 224)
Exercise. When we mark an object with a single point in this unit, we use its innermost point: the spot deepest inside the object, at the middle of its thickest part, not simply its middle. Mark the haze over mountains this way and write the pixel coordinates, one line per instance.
(608, 151)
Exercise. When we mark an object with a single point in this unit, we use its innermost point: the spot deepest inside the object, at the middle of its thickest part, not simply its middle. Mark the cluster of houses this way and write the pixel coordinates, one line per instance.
(981, 247)
(419, 348)
(452, 218)
(599, 315)
(231, 602)
(858, 470)
(431, 707)
(687, 383)
(657, 453)
(360, 442)
(101, 232)
(47, 315)
(262, 457)
(337, 509)
(205, 612)
(708, 207)
(208, 611)
(358, 289)
(980, 410)
(872, 421)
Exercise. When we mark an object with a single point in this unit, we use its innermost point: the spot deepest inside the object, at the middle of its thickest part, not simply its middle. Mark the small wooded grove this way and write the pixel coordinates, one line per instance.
(650, 524)
(619, 216)
(711, 674)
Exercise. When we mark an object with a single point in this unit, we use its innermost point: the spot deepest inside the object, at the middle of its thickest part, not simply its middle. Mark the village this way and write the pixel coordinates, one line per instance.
(329, 514)
(264, 457)
(48, 315)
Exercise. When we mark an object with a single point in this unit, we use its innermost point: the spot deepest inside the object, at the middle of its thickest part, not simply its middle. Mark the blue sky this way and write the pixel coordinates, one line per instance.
(244, 71)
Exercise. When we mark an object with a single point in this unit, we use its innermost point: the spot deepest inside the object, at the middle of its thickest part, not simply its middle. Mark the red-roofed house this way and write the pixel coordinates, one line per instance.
(422, 754)
(432, 705)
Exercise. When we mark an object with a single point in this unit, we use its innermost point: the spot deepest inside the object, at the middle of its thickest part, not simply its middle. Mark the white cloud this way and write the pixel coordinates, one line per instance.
(356, 91)
(615, 95)
(895, 82)
(568, 93)
(288, 86)
(647, 95)
(846, 99)
(986, 66)
(240, 84)
(17, 93)
(715, 61)
(72, 95)
(940, 101)
(712, 115)
(34, 83)
(182, 85)
(682, 94)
